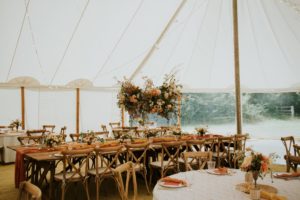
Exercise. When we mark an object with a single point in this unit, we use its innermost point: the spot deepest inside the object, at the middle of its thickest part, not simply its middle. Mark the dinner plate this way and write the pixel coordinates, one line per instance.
(216, 172)
(171, 184)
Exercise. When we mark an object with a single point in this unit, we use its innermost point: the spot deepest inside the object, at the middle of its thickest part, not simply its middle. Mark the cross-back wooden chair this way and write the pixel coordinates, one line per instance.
(210, 144)
(114, 125)
(168, 159)
(195, 145)
(28, 191)
(74, 171)
(102, 134)
(291, 157)
(198, 159)
(222, 153)
(27, 140)
(104, 128)
(129, 168)
(106, 162)
(238, 154)
(63, 132)
(74, 137)
(136, 153)
(35, 132)
(49, 128)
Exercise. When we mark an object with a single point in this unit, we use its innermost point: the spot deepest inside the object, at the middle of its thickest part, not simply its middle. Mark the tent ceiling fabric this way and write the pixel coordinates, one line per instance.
(89, 43)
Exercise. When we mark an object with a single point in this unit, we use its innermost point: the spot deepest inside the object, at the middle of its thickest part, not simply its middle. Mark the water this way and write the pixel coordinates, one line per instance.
(264, 136)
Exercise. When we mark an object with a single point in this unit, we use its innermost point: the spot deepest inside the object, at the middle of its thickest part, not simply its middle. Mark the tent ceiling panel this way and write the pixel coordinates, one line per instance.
(100, 42)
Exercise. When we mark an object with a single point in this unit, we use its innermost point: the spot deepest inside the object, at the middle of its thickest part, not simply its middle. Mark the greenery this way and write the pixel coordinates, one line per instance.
(205, 108)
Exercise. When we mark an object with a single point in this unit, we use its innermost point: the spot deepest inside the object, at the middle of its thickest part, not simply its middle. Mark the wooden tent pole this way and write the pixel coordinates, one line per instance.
(77, 109)
(123, 116)
(144, 61)
(23, 107)
(237, 67)
(179, 112)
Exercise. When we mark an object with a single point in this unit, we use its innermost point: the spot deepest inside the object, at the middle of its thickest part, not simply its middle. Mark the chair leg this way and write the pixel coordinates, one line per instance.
(86, 187)
(151, 174)
(63, 188)
(146, 182)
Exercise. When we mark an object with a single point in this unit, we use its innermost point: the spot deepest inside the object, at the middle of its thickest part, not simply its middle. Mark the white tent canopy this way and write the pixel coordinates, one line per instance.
(56, 42)
(92, 44)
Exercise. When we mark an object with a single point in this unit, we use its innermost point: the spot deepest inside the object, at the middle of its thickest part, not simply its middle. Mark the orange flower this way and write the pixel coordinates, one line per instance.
(133, 99)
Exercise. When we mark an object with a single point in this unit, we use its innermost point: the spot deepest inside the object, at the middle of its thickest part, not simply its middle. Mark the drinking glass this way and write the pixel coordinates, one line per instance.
(211, 164)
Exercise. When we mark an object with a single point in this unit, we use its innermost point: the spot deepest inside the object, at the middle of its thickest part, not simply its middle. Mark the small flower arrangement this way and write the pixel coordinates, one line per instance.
(89, 137)
(53, 139)
(201, 130)
(257, 163)
(15, 124)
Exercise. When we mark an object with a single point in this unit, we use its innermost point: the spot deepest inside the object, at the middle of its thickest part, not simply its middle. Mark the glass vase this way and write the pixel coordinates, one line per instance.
(255, 177)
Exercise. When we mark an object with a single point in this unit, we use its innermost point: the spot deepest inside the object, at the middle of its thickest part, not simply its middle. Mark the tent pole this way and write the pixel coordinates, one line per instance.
(77, 109)
(237, 68)
(144, 61)
(179, 112)
(23, 107)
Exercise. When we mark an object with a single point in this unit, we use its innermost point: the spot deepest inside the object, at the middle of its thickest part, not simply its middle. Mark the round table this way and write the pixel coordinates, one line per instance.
(215, 187)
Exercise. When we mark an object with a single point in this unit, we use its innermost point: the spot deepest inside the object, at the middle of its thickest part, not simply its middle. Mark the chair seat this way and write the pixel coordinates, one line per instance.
(158, 163)
(101, 170)
(69, 177)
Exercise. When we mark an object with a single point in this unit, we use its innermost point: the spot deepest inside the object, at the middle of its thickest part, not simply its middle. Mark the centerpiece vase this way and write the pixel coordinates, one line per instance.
(255, 177)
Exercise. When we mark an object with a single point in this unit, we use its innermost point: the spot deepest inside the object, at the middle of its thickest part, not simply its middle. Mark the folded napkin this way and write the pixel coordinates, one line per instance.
(288, 176)
(271, 196)
(173, 181)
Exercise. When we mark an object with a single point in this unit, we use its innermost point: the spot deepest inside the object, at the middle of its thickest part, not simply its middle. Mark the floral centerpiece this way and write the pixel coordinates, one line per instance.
(15, 124)
(139, 102)
(258, 164)
(53, 139)
(201, 131)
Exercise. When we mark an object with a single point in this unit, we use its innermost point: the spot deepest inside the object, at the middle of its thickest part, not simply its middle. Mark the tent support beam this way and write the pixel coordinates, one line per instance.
(237, 68)
(149, 54)
(77, 109)
(23, 107)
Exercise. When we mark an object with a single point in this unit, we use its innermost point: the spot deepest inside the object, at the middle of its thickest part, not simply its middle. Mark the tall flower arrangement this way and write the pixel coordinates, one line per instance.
(139, 102)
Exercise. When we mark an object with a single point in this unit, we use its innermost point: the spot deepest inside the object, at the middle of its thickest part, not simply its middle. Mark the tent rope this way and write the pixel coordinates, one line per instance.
(34, 42)
(156, 43)
(70, 40)
(179, 38)
(18, 40)
(197, 40)
(277, 40)
(256, 45)
(118, 41)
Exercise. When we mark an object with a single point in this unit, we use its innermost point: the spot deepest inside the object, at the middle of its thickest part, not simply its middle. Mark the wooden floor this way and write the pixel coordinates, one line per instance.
(108, 190)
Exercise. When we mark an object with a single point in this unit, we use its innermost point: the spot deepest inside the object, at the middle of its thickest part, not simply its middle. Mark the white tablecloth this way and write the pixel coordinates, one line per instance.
(9, 139)
(213, 187)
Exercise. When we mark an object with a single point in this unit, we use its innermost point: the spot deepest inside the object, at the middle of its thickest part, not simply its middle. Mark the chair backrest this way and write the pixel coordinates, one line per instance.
(104, 128)
(136, 153)
(108, 158)
(297, 149)
(114, 125)
(74, 137)
(36, 139)
(76, 170)
(130, 172)
(171, 152)
(289, 143)
(28, 191)
(49, 128)
(63, 132)
(35, 132)
(195, 145)
(201, 159)
(103, 134)
(210, 144)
